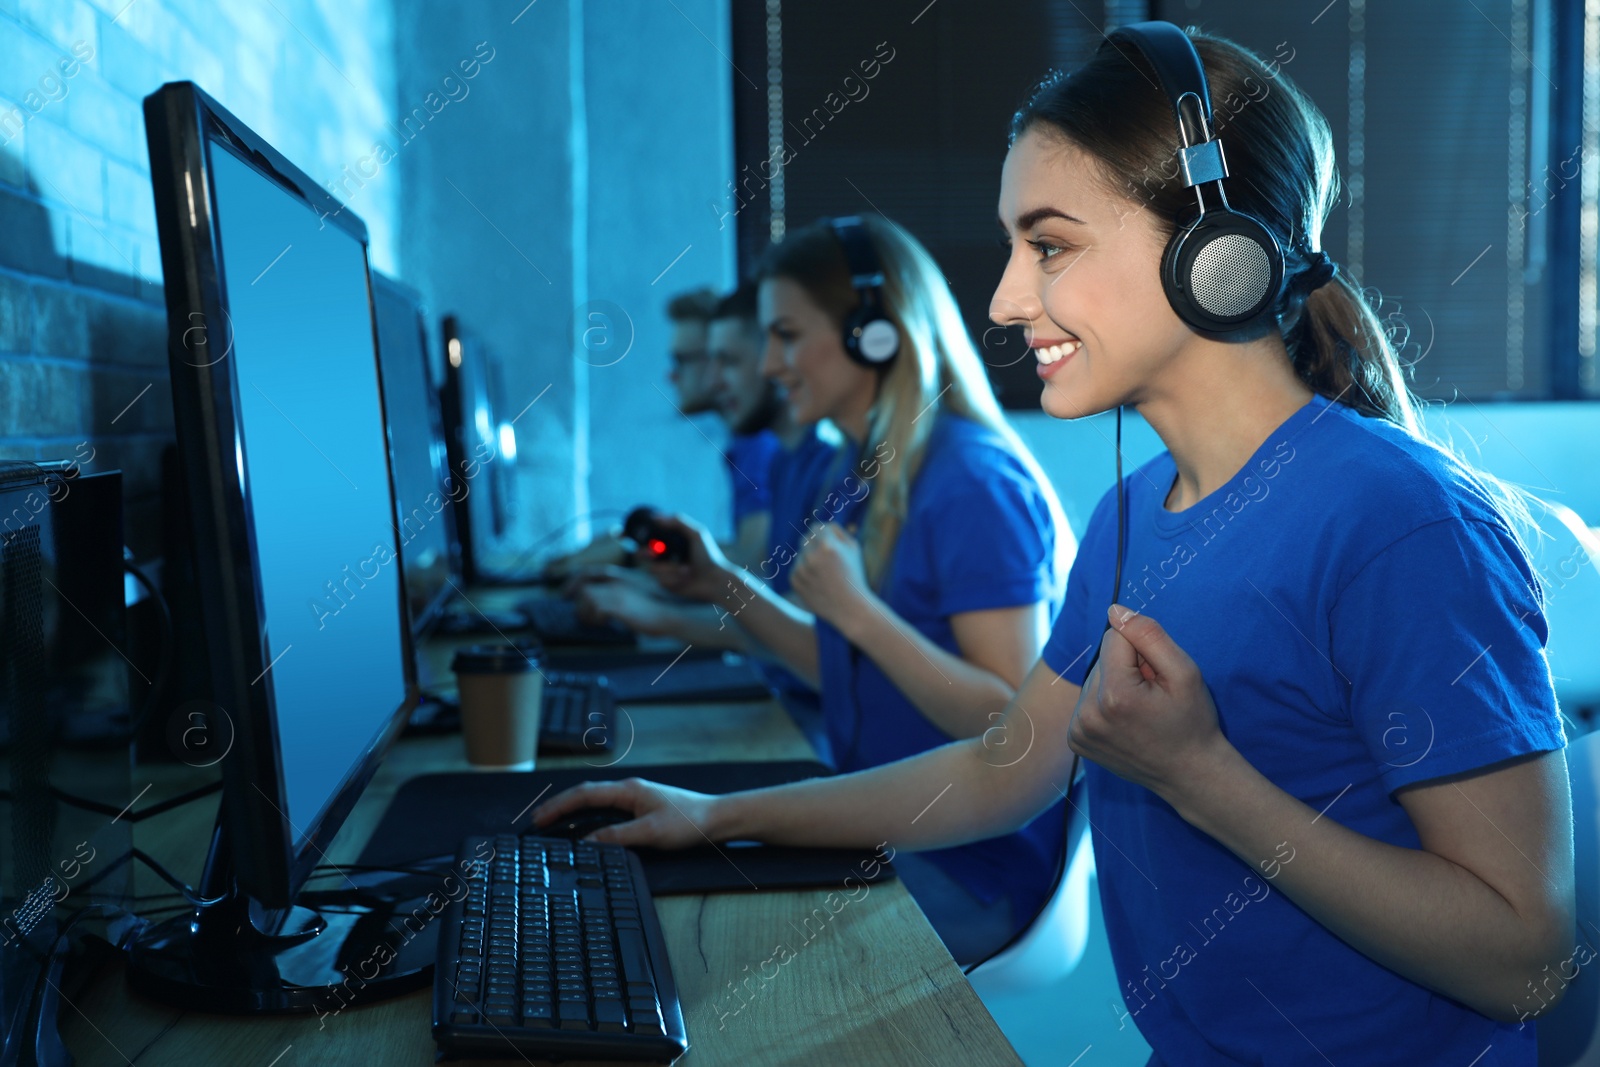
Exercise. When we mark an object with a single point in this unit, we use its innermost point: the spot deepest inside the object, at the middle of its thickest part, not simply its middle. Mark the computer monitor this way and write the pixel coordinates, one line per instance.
(280, 425)
(480, 440)
(416, 448)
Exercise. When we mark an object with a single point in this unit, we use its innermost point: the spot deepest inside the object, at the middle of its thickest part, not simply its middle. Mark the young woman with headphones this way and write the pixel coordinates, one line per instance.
(1324, 758)
(928, 569)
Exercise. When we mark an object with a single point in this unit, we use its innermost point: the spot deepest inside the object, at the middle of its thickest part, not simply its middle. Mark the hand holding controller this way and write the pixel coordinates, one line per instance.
(657, 543)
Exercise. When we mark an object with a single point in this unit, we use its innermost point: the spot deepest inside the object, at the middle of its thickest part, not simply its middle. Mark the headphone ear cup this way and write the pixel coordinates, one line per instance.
(869, 338)
(1222, 272)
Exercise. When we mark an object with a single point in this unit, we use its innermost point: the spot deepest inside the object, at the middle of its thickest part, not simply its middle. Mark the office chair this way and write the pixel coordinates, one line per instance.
(1569, 1034)
(1051, 947)
(1568, 561)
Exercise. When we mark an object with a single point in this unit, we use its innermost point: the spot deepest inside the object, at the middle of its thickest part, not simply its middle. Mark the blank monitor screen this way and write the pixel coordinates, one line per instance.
(416, 444)
(315, 474)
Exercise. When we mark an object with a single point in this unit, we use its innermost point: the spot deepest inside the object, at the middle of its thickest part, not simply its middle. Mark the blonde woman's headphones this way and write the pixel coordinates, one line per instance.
(870, 337)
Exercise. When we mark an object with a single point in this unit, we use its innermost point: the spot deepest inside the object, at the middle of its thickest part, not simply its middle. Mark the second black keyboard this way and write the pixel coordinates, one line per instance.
(576, 713)
(556, 622)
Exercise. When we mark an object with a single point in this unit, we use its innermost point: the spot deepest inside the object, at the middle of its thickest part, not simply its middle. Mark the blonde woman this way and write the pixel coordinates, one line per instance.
(928, 570)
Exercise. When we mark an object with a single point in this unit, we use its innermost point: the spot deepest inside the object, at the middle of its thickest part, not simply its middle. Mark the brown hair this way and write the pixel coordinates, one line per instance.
(698, 305)
(1281, 165)
(739, 305)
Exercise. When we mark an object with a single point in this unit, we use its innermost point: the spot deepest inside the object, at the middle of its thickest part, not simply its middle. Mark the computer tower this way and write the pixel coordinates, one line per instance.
(65, 725)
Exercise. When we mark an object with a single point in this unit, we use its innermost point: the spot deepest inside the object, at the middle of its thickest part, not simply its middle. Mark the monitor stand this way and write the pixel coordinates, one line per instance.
(363, 945)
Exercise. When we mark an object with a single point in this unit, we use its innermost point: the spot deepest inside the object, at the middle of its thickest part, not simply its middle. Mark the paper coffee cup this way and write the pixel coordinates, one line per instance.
(500, 689)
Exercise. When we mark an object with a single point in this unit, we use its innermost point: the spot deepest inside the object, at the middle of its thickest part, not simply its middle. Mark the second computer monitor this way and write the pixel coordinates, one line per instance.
(416, 446)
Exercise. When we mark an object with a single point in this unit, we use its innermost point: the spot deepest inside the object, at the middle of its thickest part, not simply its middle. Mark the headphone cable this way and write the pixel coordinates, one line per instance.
(1064, 860)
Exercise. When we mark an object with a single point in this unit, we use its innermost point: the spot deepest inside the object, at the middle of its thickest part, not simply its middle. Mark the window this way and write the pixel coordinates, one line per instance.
(1467, 135)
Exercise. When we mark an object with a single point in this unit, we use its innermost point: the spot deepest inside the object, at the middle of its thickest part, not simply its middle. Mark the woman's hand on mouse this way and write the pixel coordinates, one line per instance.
(664, 817)
(707, 575)
(830, 578)
(1145, 713)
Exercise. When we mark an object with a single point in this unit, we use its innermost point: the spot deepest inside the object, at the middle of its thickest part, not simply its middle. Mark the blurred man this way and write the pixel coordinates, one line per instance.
(690, 314)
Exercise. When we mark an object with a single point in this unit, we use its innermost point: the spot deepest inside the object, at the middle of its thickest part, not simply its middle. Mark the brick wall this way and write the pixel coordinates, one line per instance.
(82, 323)
(574, 166)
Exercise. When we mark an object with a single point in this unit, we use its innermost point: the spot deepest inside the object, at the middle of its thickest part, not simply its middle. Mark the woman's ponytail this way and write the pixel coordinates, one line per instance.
(1340, 349)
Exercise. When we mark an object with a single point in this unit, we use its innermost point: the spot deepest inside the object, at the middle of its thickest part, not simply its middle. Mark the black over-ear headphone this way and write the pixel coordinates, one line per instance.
(1223, 269)
(870, 338)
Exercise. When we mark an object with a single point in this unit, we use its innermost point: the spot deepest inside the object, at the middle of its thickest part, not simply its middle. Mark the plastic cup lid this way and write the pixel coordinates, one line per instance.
(496, 659)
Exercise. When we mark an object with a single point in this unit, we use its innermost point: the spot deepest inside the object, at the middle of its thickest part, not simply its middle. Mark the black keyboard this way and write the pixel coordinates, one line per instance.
(556, 621)
(575, 713)
(554, 952)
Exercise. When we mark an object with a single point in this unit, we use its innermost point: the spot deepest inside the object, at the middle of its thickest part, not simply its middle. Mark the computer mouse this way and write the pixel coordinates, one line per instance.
(576, 825)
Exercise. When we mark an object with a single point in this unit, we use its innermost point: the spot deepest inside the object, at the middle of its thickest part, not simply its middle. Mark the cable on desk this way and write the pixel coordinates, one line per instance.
(325, 870)
(132, 816)
(167, 876)
(175, 882)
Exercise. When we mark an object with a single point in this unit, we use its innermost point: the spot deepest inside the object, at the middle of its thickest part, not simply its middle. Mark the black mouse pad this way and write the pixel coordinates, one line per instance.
(430, 814)
(728, 679)
(601, 661)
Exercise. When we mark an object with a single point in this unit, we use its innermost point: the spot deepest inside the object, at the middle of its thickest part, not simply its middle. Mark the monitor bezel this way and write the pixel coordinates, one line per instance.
(431, 612)
(183, 124)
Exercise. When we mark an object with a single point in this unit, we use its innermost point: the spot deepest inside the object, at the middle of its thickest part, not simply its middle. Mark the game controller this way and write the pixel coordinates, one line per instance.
(657, 543)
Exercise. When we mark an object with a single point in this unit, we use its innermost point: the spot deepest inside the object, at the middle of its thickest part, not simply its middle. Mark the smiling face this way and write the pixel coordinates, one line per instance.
(1083, 280)
(805, 355)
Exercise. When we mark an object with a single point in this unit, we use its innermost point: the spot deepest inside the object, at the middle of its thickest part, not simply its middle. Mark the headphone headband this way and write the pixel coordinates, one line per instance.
(1182, 75)
(1169, 50)
(859, 255)
(1222, 271)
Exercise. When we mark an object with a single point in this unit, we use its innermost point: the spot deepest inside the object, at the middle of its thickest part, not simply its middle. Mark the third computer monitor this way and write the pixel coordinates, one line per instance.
(480, 439)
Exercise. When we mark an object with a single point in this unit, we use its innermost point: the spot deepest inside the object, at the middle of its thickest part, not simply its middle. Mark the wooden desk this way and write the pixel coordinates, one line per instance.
(874, 986)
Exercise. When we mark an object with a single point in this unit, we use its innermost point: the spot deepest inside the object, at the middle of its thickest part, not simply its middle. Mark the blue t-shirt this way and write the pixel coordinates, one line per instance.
(749, 459)
(798, 476)
(978, 535)
(1364, 620)
(797, 487)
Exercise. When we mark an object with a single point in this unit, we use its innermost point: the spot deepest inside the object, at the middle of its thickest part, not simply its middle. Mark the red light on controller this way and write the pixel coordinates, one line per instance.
(657, 547)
